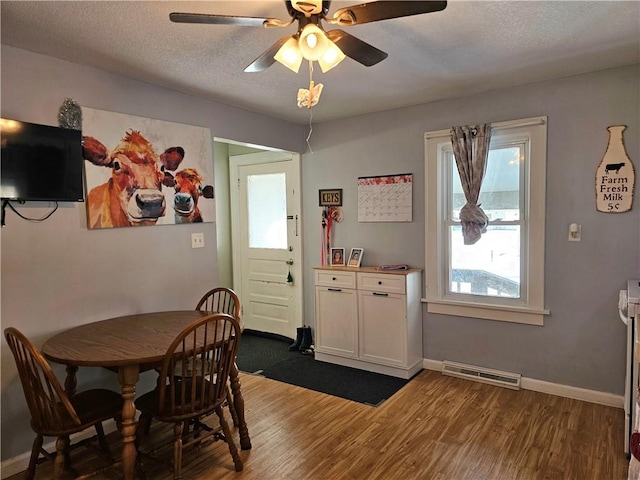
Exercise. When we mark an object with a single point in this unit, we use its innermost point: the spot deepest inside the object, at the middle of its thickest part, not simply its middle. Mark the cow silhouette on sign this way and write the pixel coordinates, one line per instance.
(613, 166)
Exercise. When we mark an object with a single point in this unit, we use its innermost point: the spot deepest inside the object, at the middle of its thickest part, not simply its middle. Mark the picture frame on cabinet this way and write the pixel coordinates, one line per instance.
(337, 257)
(355, 257)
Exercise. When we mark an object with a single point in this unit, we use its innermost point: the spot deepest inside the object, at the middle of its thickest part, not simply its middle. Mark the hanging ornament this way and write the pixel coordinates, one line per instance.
(309, 98)
(323, 254)
(289, 276)
(70, 115)
(329, 215)
(336, 213)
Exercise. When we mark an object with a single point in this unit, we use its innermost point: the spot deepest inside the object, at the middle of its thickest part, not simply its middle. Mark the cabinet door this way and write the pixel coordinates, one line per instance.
(383, 328)
(337, 321)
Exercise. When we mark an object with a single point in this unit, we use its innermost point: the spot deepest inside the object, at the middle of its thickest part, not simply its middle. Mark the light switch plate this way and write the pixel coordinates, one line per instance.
(576, 235)
(197, 240)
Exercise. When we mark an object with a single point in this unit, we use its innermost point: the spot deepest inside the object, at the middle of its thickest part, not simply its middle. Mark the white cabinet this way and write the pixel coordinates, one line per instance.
(369, 319)
(337, 327)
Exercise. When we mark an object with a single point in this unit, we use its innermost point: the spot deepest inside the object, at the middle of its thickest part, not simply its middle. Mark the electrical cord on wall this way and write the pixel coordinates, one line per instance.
(6, 203)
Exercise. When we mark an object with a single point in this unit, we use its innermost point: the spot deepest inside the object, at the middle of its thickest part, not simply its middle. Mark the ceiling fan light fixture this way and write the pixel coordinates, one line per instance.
(313, 42)
(332, 57)
(289, 55)
(311, 39)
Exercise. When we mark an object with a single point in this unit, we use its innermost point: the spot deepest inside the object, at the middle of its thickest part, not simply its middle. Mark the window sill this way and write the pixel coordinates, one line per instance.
(527, 316)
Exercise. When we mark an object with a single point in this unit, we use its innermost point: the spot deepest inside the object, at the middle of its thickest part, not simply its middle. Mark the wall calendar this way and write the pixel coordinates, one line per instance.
(387, 198)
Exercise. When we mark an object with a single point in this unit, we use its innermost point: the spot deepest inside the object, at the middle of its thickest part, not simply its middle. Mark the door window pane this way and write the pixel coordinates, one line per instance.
(267, 210)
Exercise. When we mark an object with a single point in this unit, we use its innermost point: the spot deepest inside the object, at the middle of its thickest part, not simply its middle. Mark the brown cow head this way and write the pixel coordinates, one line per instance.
(188, 187)
(136, 178)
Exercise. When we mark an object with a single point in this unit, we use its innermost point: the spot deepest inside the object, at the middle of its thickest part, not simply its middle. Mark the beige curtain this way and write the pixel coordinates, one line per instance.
(471, 149)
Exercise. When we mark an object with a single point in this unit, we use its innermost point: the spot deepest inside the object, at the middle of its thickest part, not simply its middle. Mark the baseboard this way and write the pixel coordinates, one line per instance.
(591, 396)
(272, 336)
(18, 464)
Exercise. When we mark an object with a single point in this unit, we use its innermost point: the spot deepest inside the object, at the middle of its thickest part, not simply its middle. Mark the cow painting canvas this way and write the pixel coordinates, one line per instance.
(141, 171)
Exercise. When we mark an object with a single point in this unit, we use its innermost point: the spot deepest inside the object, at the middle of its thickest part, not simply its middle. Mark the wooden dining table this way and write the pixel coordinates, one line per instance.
(130, 344)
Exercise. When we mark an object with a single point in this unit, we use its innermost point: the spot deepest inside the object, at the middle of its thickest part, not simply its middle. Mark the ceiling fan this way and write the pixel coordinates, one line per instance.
(311, 41)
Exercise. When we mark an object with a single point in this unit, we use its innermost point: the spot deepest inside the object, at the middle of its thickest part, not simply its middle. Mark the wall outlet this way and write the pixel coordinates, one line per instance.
(197, 240)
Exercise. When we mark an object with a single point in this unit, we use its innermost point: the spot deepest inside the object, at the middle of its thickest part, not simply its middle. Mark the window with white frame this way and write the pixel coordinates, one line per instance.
(501, 276)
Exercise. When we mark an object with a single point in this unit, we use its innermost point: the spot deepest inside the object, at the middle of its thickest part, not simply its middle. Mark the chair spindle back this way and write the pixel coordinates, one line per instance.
(50, 408)
(220, 300)
(196, 368)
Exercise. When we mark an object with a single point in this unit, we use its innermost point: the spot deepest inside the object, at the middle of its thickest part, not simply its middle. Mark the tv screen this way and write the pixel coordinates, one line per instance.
(40, 163)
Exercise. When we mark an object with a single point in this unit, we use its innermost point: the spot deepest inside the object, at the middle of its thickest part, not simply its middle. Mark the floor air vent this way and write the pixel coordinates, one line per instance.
(484, 375)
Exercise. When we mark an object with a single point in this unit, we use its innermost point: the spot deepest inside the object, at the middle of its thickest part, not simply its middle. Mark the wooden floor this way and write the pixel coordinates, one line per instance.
(436, 427)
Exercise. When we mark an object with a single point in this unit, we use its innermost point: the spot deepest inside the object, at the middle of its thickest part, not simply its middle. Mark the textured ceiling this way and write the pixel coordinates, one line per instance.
(467, 48)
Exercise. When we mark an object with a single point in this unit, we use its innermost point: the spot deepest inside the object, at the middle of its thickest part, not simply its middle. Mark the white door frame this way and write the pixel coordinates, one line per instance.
(237, 161)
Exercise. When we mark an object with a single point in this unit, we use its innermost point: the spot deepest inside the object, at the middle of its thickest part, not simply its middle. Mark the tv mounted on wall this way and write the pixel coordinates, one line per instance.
(40, 163)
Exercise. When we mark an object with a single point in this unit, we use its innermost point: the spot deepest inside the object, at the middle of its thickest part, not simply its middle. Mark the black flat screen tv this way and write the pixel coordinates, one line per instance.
(40, 163)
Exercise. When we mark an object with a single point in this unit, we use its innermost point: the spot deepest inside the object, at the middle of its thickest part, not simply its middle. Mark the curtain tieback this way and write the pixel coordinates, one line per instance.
(474, 223)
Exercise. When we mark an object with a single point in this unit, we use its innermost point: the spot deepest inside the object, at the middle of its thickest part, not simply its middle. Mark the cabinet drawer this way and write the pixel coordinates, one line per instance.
(380, 282)
(333, 278)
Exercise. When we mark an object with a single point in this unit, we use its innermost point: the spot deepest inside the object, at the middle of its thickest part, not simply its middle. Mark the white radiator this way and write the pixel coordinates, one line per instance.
(480, 374)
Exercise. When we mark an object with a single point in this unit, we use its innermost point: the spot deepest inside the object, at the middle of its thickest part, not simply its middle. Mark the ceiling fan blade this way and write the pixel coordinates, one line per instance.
(356, 49)
(210, 19)
(383, 10)
(265, 60)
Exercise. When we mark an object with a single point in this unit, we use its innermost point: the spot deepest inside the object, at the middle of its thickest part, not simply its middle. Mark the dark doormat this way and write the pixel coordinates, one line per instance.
(270, 356)
(260, 350)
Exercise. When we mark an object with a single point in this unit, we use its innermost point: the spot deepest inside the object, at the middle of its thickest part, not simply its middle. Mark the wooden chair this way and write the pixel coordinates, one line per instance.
(53, 412)
(196, 370)
(221, 300)
(224, 300)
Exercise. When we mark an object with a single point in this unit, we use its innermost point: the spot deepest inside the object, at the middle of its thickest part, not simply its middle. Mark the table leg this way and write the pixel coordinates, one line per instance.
(128, 377)
(71, 382)
(238, 403)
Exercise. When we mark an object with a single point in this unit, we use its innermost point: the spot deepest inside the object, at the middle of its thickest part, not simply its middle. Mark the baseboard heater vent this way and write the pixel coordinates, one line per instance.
(484, 375)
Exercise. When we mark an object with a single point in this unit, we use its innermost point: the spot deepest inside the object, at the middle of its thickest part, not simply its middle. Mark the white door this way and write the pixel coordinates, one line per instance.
(267, 241)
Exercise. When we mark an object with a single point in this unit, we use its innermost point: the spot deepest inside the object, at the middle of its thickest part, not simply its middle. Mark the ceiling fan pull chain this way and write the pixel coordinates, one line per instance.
(311, 103)
(310, 130)
(310, 83)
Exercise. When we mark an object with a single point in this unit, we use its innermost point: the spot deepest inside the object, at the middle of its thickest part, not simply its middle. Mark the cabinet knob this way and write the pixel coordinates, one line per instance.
(333, 278)
(379, 282)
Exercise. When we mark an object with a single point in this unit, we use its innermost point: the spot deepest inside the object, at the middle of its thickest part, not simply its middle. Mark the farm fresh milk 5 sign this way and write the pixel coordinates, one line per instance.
(615, 176)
